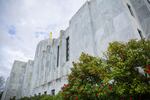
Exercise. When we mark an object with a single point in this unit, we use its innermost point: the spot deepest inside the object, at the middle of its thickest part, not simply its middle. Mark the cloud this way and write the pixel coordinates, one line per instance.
(23, 23)
(39, 34)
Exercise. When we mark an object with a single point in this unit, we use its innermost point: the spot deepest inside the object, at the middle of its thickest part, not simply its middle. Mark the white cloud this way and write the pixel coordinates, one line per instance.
(23, 23)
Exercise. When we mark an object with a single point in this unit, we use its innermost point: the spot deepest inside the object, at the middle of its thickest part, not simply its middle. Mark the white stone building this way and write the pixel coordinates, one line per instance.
(91, 29)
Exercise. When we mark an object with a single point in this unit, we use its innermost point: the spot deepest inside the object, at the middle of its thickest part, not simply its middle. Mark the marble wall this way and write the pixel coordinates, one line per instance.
(91, 29)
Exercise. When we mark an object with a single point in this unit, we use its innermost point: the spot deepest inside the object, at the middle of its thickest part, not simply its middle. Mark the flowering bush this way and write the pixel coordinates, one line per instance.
(124, 60)
(117, 77)
(86, 80)
(44, 97)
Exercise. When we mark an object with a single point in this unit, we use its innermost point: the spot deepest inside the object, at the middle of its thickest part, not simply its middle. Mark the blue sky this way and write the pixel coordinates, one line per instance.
(23, 23)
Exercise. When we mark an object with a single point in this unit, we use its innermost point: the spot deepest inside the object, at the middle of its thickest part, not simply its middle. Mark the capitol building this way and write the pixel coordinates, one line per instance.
(91, 29)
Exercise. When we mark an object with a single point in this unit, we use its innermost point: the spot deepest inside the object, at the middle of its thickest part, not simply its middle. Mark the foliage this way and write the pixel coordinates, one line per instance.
(2, 82)
(86, 80)
(119, 76)
(1, 93)
(44, 97)
(124, 60)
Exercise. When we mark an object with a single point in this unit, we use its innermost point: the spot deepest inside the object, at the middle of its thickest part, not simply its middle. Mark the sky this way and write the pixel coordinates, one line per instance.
(23, 23)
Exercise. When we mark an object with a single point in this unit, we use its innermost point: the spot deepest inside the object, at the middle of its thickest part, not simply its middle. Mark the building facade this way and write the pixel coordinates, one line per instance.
(91, 29)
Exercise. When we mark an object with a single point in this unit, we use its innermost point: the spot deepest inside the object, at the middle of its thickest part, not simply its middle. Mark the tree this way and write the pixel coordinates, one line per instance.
(2, 81)
(127, 61)
(120, 75)
(86, 80)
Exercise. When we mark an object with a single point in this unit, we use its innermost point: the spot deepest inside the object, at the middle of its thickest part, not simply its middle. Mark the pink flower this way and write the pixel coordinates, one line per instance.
(110, 87)
(76, 98)
(147, 70)
(97, 94)
(130, 97)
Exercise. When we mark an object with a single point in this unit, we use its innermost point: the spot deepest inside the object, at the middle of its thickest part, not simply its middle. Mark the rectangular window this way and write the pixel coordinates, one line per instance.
(140, 33)
(48, 48)
(14, 98)
(53, 92)
(67, 49)
(45, 92)
(57, 56)
(130, 9)
(58, 80)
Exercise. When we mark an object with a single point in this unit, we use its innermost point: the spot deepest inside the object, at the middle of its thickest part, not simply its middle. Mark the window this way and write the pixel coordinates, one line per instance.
(58, 80)
(45, 92)
(14, 98)
(57, 56)
(67, 49)
(53, 92)
(130, 9)
(44, 51)
(48, 47)
(148, 1)
(140, 33)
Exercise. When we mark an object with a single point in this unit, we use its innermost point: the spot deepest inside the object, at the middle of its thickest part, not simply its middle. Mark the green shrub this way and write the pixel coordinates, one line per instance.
(117, 77)
(44, 97)
(1, 93)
